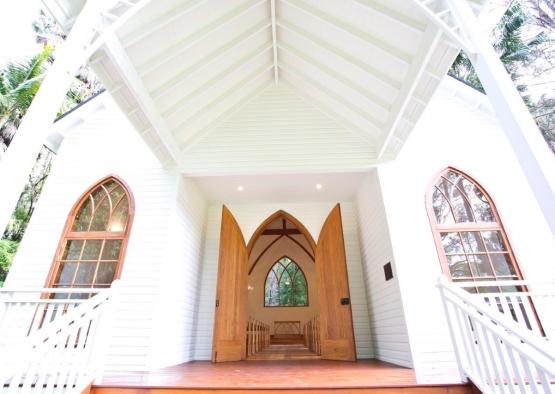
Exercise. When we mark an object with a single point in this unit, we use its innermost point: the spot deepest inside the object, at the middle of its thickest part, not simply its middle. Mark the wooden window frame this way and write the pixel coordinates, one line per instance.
(437, 228)
(279, 280)
(68, 235)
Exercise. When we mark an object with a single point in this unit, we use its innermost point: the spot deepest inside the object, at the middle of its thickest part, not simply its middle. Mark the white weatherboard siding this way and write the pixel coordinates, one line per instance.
(249, 217)
(387, 317)
(167, 207)
(455, 130)
(277, 131)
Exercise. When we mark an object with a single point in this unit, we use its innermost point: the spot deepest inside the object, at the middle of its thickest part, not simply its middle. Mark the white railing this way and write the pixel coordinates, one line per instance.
(51, 342)
(522, 301)
(497, 353)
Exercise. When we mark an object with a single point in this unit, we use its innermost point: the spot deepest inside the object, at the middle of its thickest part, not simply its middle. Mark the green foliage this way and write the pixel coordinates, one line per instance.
(19, 83)
(285, 285)
(7, 253)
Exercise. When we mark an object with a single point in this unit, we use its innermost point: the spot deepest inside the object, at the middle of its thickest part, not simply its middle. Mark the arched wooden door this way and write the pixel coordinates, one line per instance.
(229, 342)
(336, 320)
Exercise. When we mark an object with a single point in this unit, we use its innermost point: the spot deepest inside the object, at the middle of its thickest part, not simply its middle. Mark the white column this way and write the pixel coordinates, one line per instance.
(536, 160)
(20, 157)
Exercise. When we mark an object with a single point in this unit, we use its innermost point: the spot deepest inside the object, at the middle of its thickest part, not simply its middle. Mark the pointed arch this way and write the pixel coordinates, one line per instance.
(469, 235)
(284, 268)
(94, 240)
(286, 216)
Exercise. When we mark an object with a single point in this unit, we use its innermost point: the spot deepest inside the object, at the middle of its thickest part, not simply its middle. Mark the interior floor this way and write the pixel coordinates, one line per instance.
(285, 347)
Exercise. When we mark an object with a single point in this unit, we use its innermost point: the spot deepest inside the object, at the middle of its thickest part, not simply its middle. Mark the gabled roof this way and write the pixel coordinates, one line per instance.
(179, 69)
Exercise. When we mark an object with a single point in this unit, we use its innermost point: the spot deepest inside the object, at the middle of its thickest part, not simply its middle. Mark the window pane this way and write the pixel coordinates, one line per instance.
(442, 209)
(92, 249)
(502, 264)
(472, 242)
(83, 217)
(451, 243)
(494, 241)
(119, 216)
(458, 267)
(65, 274)
(105, 274)
(480, 265)
(480, 205)
(72, 250)
(116, 195)
(85, 274)
(285, 285)
(101, 216)
(271, 290)
(111, 249)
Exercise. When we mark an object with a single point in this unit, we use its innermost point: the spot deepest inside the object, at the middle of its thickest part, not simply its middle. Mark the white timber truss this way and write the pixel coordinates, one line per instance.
(339, 55)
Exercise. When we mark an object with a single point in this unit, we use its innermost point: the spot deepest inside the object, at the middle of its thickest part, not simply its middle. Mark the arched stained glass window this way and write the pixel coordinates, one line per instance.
(471, 241)
(91, 249)
(285, 285)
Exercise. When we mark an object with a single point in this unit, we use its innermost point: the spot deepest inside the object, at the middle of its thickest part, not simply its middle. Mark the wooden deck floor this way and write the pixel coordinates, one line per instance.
(268, 376)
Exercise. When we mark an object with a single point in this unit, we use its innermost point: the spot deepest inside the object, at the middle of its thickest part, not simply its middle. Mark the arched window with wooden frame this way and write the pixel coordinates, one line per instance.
(92, 247)
(470, 239)
(285, 285)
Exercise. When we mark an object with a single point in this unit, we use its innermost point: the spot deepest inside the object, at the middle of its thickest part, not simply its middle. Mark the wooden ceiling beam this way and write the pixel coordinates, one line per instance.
(372, 71)
(329, 20)
(116, 53)
(374, 129)
(281, 231)
(426, 49)
(158, 59)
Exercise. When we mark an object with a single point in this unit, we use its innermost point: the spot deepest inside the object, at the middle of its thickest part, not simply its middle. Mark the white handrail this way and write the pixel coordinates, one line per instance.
(494, 351)
(53, 346)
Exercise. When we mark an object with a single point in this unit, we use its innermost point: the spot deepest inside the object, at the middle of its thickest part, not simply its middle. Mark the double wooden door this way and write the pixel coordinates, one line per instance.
(336, 323)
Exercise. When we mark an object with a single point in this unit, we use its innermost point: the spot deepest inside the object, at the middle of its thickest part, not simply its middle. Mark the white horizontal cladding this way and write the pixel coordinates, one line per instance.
(460, 130)
(249, 217)
(387, 318)
(174, 319)
(277, 131)
(104, 144)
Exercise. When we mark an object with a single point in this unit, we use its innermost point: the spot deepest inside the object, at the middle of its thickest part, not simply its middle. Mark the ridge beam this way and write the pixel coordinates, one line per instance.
(274, 40)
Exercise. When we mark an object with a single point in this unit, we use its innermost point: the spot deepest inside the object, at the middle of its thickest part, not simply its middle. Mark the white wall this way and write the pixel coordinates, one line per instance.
(454, 131)
(249, 217)
(165, 239)
(387, 316)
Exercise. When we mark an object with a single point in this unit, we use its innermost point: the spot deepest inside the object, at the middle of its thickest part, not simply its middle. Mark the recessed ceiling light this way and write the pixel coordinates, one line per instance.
(318, 186)
(240, 188)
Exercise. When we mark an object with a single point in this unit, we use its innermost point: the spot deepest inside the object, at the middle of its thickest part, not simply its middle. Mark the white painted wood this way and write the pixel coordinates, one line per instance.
(276, 131)
(488, 358)
(387, 318)
(274, 40)
(530, 149)
(64, 351)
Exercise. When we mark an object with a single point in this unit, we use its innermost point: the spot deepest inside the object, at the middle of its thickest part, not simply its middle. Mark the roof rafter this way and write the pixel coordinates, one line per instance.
(391, 15)
(363, 66)
(367, 38)
(249, 79)
(151, 64)
(116, 53)
(417, 69)
(178, 106)
(213, 56)
(330, 111)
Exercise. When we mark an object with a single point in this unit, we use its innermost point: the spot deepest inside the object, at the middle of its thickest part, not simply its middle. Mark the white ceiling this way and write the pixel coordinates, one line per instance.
(285, 188)
(179, 68)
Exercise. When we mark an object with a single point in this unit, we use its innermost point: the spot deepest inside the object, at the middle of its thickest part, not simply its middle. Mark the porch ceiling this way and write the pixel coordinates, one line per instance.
(179, 68)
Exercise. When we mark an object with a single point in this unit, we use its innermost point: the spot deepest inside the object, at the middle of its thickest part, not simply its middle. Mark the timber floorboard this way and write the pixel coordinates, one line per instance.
(271, 377)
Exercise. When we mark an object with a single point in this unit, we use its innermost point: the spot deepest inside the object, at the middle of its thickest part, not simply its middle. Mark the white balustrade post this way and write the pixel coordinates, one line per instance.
(535, 158)
(441, 282)
(21, 155)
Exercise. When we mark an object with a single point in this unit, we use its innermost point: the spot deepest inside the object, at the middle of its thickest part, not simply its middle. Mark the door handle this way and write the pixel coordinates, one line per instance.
(345, 301)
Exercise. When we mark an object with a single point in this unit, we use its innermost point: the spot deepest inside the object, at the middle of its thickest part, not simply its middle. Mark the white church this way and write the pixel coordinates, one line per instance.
(281, 195)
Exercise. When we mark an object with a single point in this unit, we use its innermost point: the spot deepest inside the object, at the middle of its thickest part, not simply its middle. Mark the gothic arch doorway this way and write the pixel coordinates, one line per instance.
(324, 269)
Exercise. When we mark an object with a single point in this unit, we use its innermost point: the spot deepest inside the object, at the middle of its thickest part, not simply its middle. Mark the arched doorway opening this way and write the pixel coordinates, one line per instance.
(245, 324)
(282, 289)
